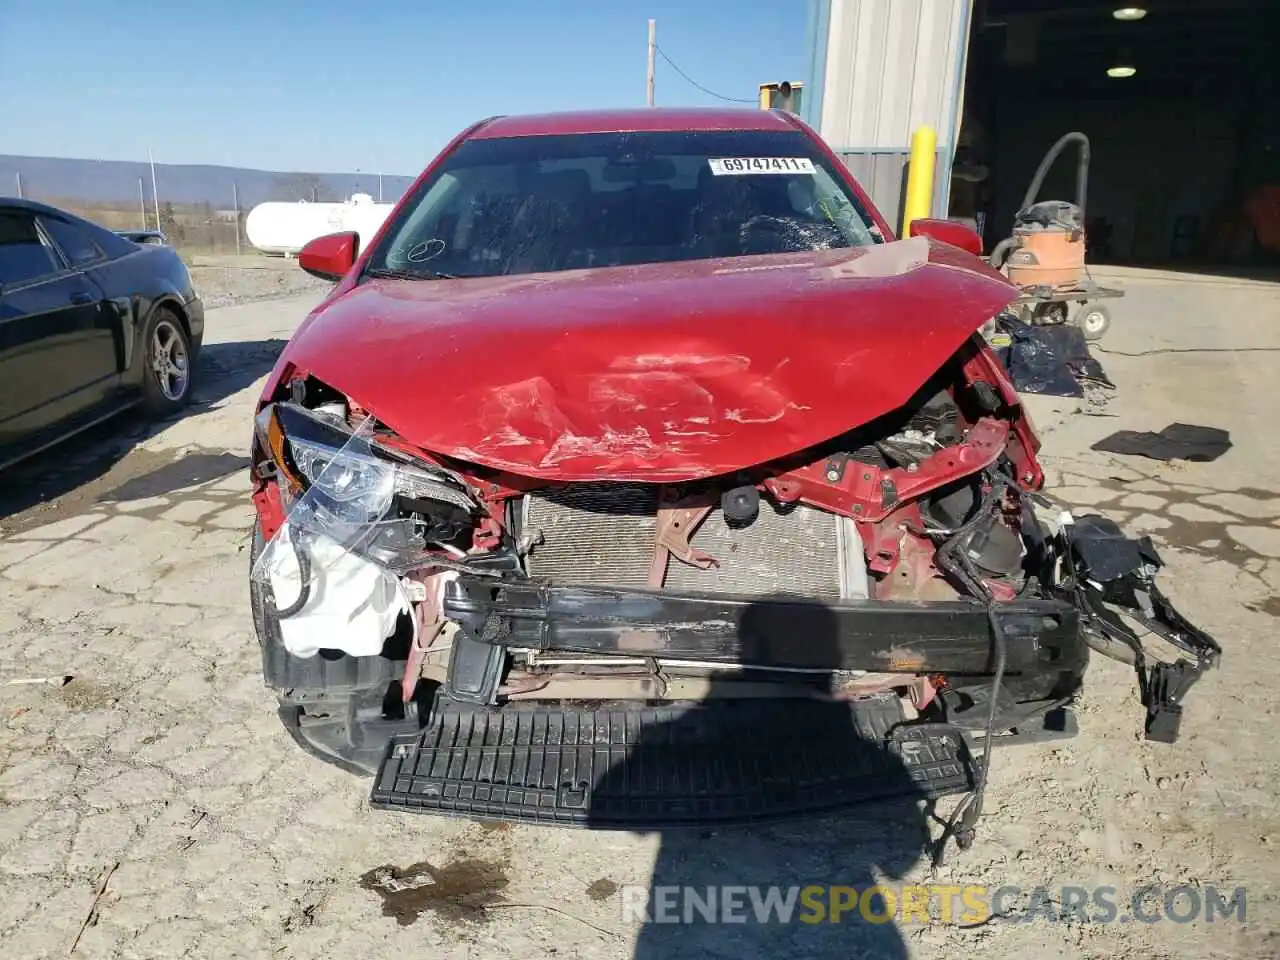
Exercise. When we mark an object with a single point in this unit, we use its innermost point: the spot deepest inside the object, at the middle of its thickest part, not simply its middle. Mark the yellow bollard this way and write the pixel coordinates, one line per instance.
(924, 142)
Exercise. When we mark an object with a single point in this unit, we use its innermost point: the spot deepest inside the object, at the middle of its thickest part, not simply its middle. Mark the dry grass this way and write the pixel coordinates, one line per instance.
(191, 228)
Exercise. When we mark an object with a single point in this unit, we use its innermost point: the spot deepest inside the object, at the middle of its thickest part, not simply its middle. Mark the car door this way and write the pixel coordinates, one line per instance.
(57, 349)
(101, 350)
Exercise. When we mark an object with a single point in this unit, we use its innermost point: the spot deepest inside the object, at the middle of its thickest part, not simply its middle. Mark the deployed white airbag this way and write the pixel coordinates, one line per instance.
(353, 605)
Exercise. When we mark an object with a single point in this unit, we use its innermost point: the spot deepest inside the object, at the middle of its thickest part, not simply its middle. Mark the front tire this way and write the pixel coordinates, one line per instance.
(166, 364)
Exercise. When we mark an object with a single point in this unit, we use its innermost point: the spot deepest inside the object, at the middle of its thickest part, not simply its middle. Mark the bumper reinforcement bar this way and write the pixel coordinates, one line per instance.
(948, 637)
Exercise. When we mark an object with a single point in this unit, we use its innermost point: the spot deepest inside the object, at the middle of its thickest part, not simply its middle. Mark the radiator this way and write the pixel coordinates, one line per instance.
(604, 533)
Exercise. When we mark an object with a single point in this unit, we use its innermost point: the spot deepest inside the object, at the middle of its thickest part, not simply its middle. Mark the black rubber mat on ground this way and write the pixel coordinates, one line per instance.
(1177, 441)
(727, 761)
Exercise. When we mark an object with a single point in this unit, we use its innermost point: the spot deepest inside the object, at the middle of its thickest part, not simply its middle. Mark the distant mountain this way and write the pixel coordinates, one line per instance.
(116, 181)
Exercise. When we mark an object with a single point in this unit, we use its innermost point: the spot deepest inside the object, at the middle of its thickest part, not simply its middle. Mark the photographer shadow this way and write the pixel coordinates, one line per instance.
(804, 878)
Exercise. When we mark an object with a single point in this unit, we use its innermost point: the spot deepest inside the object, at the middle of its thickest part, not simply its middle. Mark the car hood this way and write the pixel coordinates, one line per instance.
(661, 372)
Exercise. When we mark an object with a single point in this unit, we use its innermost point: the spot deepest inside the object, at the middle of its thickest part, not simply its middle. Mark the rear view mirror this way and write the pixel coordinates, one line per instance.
(330, 257)
(947, 231)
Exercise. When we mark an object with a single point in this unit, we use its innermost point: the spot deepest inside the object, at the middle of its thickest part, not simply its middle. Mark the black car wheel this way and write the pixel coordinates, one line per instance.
(166, 375)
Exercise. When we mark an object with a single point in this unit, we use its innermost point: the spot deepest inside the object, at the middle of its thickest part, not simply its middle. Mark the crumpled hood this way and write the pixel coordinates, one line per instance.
(661, 372)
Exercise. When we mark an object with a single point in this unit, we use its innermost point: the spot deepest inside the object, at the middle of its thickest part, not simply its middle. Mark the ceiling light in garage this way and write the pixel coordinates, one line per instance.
(1129, 13)
(1121, 71)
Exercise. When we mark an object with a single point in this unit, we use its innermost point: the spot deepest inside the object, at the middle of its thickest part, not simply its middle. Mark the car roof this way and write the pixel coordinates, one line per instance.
(110, 241)
(32, 206)
(638, 119)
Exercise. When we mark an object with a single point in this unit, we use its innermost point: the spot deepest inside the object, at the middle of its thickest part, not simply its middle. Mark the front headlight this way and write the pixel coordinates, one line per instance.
(343, 473)
(359, 482)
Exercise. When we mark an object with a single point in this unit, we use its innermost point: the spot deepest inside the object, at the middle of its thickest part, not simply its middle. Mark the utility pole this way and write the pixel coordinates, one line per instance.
(235, 207)
(142, 203)
(379, 188)
(155, 196)
(653, 46)
(19, 176)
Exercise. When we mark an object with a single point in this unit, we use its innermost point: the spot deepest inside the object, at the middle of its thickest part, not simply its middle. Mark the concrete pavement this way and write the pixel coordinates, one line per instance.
(123, 564)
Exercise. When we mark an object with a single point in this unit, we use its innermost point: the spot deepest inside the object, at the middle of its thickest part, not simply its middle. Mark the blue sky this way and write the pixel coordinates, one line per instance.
(338, 86)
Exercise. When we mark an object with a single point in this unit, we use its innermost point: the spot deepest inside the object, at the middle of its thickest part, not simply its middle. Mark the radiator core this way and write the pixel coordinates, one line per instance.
(604, 534)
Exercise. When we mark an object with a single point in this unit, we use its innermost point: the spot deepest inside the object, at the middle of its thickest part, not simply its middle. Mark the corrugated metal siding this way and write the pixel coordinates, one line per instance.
(892, 66)
(887, 67)
(883, 173)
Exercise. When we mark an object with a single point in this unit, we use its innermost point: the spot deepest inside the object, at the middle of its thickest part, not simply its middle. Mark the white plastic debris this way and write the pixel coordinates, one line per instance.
(353, 605)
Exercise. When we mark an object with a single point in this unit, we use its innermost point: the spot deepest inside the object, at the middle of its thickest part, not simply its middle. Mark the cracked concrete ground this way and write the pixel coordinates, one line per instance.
(123, 566)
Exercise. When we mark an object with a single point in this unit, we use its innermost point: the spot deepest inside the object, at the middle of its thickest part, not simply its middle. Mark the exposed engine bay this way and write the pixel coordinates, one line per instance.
(903, 563)
(874, 514)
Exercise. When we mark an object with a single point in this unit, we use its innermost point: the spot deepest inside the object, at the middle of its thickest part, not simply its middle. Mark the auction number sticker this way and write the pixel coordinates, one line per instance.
(738, 166)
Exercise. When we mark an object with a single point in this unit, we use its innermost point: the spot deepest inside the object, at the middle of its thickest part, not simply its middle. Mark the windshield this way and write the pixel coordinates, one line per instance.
(536, 204)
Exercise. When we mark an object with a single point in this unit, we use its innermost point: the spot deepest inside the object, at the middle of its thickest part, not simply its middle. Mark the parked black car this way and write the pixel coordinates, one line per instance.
(91, 324)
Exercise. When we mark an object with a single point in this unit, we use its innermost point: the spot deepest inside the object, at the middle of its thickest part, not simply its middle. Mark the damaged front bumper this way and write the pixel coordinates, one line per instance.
(996, 666)
(1100, 577)
(948, 639)
(635, 764)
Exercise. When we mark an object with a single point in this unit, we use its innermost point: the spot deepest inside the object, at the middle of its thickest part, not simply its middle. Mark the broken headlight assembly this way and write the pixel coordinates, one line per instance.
(344, 494)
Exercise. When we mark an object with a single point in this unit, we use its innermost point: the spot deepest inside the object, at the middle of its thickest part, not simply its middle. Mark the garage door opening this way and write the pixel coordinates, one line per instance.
(1180, 103)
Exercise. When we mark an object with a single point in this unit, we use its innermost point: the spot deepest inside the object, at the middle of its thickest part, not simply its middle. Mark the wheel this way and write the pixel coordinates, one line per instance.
(1049, 314)
(166, 373)
(1093, 320)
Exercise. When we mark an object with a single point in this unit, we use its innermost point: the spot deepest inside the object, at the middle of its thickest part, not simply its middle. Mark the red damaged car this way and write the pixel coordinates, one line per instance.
(636, 474)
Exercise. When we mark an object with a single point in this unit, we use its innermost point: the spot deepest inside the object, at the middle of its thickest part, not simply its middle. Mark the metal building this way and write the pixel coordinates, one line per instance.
(1179, 100)
(878, 70)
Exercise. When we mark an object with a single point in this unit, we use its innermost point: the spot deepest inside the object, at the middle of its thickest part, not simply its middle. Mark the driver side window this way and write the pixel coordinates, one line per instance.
(24, 256)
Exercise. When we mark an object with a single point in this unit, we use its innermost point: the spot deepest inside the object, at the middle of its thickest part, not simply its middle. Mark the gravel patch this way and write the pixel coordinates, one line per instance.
(226, 280)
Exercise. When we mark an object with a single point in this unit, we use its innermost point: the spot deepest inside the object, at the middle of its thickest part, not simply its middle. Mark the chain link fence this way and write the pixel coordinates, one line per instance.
(201, 210)
(196, 228)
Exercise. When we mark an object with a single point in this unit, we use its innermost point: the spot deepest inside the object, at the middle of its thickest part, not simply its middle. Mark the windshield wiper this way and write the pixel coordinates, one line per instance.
(386, 273)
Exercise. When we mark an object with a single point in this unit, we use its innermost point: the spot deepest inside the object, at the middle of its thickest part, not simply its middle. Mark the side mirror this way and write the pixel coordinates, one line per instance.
(947, 231)
(330, 257)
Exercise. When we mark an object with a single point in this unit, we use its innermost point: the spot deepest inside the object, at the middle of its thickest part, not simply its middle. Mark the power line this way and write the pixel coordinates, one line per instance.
(662, 53)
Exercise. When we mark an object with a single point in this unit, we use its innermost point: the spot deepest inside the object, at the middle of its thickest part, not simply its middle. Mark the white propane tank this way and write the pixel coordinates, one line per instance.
(365, 216)
(285, 228)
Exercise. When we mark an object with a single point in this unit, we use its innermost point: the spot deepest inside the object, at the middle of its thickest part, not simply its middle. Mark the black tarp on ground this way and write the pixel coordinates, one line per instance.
(1053, 360)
